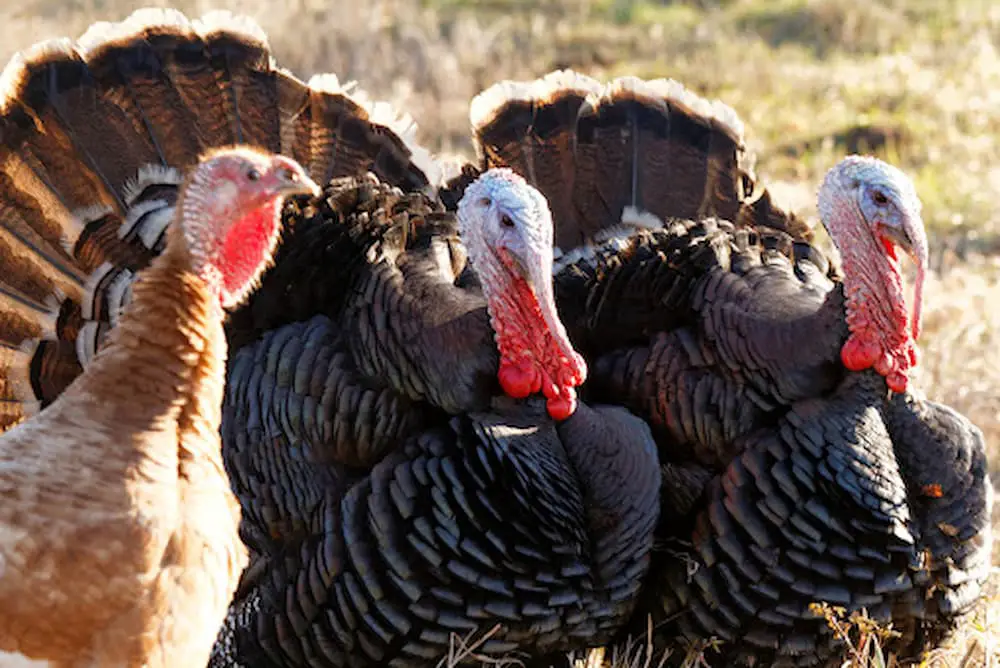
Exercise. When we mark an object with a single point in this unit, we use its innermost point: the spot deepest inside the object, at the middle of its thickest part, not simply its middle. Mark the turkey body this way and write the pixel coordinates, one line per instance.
(518, 535)
(788, 480)
(854, 500)
(126, 554)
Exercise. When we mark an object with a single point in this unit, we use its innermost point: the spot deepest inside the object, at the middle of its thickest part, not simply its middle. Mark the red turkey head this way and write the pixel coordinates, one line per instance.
(230, 215)
(870, 210)
(506, 226)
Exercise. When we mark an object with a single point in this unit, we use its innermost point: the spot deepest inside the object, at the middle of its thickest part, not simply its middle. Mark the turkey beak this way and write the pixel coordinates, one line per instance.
(899, 235)
(292, 178)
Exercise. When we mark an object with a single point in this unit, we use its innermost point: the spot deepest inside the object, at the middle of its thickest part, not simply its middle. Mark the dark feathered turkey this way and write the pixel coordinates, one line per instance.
(370, 333)
(548, 539)
(792, 474)
(503, 526)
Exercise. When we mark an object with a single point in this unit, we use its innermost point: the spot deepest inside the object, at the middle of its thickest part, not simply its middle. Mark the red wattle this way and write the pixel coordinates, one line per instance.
(563, 406)
(897, 382)
(550, 389)
(533, 358)
(859, 354)
(518, 381)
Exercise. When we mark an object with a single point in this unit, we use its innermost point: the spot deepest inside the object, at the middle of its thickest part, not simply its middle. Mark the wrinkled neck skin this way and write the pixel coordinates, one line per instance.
(877, 315)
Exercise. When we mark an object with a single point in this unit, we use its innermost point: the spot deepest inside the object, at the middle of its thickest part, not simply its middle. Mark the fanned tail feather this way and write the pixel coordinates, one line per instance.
(96, 136)
(616, 157)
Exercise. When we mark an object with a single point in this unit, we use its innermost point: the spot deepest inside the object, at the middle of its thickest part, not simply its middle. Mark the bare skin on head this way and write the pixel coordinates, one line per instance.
(231, 216)
(870, 210)
(507, 228)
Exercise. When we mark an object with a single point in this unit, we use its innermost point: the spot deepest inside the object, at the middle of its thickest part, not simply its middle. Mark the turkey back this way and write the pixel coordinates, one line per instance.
(96, 135)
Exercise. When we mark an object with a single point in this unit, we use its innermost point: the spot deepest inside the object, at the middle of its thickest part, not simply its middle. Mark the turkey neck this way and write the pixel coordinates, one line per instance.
(165, 358)
(877, 315)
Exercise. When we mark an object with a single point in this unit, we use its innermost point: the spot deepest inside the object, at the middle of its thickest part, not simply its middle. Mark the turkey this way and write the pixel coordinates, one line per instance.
(118, 529)
(493, 518)
(423, 333)
(798, 464)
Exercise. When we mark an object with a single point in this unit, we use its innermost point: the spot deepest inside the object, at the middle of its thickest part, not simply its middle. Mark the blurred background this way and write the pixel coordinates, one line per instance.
(916, 82)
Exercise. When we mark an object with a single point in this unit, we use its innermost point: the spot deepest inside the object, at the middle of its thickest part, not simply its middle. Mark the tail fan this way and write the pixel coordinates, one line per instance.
(629, 154)
(95, 138)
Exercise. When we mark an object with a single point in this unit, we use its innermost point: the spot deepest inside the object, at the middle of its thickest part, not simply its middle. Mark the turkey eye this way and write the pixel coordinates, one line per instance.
(485, 202)
(253, 174)
(506, 221)
(880, 198)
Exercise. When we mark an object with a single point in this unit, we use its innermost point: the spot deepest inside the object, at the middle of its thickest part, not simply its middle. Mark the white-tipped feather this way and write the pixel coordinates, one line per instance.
(678, 94)
(102, 33)
(638, 219)
(615, 240)
(99, 34)
(222, 20)
(150, 175)
(111, 291)
(118, 295)
(609, 239)
(139, 20)
(149, 221)
(51, 49)
(659, 92)
(87, 342)
(13, 74)
(326, 82)
(484, 106)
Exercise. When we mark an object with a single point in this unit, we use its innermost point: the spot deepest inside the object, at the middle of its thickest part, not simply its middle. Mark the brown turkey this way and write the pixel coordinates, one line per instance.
(377, 372)
(118, 528)
(798, 466)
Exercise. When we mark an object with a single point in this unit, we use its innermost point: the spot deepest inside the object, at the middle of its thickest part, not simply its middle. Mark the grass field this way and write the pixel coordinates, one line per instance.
(915, 81)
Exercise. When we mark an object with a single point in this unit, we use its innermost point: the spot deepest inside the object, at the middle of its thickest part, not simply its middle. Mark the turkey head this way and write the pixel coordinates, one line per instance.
(870, 210)
(230, 213)
(506, 226)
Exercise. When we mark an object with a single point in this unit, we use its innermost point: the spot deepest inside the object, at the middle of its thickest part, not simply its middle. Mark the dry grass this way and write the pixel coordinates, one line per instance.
(916, 81)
